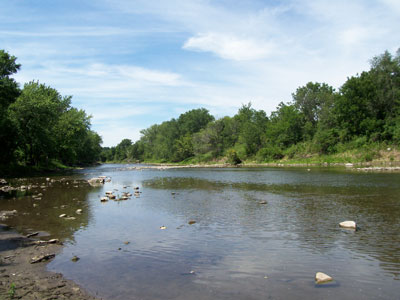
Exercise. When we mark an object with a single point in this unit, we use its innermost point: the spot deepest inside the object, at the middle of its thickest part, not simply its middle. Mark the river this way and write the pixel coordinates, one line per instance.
(254, 233)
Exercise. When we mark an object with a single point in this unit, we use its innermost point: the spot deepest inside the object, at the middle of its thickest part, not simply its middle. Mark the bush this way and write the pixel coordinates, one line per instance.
(270, 152)
(232, 157)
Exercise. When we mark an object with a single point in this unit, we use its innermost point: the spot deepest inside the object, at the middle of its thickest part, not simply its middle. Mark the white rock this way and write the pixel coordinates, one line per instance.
(322, 277)
(79, 211)
(349, 165)
(348, 224)
(62, 215)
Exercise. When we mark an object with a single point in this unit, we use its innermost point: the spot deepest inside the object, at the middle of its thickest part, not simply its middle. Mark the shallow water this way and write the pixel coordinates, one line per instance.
(238, 248)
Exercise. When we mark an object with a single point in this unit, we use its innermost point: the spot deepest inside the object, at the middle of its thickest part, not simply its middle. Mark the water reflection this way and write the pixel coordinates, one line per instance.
(238, 248)
(38, 208)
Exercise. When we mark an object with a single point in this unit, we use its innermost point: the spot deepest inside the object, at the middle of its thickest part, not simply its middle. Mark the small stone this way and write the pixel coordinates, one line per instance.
(191, 222)
(47, 179)
(349, 165)
(322, 278)
(35, 205)
(262, 202)
(103, 199)
(75, 258)
(70, 218)
(62, 215)
(163, 227)
(348, 224)
(79, 211)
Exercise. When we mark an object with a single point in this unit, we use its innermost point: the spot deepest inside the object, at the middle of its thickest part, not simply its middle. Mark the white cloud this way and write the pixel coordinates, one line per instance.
(229, 46)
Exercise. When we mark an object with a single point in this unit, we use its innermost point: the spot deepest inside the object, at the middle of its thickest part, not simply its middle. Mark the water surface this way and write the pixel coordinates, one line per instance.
(238, 248)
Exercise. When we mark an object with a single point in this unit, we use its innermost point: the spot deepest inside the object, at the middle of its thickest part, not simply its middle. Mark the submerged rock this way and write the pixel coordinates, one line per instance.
(322, 278)
(348, 224)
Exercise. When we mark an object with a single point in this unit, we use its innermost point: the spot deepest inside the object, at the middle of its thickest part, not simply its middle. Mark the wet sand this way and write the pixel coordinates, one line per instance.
(21, 279)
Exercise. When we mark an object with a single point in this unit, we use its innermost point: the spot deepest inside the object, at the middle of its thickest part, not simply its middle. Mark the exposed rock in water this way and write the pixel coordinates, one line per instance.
(5, 214)
(103, 199)
(96, 181)
(79, 211)
(322, 278)
(191, 222)
(75, 258)
(348, 224)
(32, 234)
(3, 181)
(62, 215)
(262, 202)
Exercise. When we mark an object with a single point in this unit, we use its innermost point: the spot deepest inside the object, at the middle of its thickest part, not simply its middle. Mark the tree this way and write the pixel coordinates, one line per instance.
(314, 101)
(9, 91)
(35, 114)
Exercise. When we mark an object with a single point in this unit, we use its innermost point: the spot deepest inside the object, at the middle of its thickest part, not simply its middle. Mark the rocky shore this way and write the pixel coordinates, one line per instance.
(20, 278)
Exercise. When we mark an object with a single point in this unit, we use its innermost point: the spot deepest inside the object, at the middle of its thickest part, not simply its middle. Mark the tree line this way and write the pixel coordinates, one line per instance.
(362, 113)
(39, 127)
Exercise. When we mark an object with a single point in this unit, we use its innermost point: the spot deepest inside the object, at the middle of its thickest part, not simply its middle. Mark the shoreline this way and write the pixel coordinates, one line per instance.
(360, 167)
(21, 279)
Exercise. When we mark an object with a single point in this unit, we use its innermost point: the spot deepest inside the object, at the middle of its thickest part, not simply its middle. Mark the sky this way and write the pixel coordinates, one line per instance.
(132, 64)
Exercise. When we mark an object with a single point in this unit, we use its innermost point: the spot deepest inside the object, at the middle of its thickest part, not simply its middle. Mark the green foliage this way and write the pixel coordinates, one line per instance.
(319, 123)
(11, 291)
(38, 126)
(232, 157)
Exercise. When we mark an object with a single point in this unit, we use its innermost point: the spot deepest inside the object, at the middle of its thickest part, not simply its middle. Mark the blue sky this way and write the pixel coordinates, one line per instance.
(131, 64)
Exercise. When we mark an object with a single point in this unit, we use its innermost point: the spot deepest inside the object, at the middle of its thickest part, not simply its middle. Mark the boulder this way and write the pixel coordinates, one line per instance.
(348, 224)
(322, 278)
(96, 181)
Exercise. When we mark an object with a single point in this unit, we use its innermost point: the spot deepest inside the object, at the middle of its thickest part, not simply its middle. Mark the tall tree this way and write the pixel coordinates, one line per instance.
(9, 91)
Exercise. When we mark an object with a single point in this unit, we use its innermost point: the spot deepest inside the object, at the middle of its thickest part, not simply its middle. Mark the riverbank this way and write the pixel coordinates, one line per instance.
(21, 279)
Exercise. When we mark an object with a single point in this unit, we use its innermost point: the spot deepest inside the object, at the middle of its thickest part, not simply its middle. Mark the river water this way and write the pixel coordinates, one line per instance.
(238, 247)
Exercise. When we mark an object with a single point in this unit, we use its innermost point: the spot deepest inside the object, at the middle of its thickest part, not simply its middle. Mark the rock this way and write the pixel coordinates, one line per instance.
(348, 224)
(32, 234)
(62, 215)
(40, 258)
(79, 211)
(3, 181)
(191, 222)
(103, 199)
(35, 205)
(5, 214)
(52, 241)
(96, 181)
(137, 188)
(163, 227)
(111, 196)
(389, 149)
(109, 192)
(262, 202)
(47, 179)
(75, 258)
(70, 218)
(124, 198)
(126, 243)
(349, 165)
(322, 278)
(23, 187)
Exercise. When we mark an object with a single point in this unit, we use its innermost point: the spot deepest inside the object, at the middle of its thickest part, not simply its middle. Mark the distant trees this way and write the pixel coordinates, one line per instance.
(39, 125)
(320, 120)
